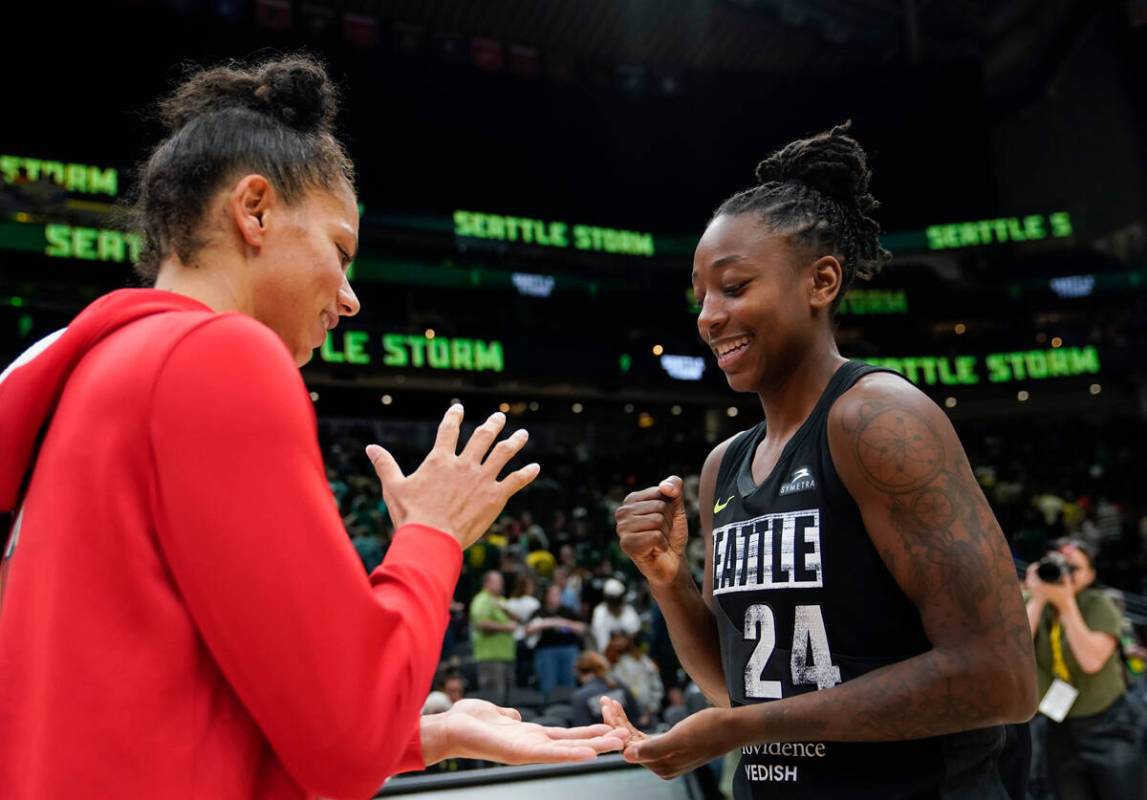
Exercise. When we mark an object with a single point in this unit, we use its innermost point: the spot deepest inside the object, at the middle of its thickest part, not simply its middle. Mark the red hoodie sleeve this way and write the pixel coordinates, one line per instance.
(334, 667)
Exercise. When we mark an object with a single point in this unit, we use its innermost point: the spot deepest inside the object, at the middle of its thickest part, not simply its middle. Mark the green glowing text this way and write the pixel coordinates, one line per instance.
(91, 244)
(80, 178)
(412, 351)
(1064, 362)
(1031, 228)
(474, 225)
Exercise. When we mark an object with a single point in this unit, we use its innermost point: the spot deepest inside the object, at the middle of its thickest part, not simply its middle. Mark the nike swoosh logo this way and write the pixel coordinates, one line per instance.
(718, 507)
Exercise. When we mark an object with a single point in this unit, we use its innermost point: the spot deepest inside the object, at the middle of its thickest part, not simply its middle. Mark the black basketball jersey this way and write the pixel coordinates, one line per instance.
(804, 602)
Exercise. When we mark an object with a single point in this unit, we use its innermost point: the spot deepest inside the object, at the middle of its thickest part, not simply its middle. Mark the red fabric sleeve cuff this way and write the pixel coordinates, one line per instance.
(431, 548)
(411, 758)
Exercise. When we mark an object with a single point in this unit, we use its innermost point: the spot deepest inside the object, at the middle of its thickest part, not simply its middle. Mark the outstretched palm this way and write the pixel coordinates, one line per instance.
(484, 731)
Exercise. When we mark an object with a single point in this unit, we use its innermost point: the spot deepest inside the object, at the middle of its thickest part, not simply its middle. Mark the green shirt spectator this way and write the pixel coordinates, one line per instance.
(1097, 690)
(490, 645)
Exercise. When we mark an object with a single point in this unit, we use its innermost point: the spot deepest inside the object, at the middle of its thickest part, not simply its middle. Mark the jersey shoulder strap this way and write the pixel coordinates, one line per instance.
(735, 454)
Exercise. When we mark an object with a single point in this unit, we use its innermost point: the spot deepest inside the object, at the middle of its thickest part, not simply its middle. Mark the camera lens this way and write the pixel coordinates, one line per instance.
(1049, 571)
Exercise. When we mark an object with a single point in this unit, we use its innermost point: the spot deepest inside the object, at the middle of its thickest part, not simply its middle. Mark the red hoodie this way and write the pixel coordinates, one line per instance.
(182, 614)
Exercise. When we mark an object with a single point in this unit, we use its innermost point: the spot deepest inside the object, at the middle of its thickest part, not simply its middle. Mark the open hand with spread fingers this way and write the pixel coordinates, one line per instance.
(455, 492)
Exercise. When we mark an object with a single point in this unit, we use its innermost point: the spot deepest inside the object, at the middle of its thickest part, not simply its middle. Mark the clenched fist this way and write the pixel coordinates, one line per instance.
(652, 530)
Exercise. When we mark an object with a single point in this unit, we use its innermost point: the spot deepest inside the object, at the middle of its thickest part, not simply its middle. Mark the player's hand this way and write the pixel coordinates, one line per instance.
(482, 730)
(652, 530)
(613, 714)
(692, 742)
(456, 493)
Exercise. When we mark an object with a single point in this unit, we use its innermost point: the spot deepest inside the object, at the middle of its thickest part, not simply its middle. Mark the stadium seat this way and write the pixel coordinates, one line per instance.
(529, 698)
(560, 710)
(559, 694)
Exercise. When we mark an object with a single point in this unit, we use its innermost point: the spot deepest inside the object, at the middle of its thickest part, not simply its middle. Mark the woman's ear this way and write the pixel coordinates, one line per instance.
(827, 278)
(247, 206)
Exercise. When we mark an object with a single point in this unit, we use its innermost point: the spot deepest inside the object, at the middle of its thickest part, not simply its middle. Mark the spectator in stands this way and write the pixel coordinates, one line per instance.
(613, 614)
(557, 634)
(492, 631)
(451, 683)
(597, 682)
(575, 576)
(636, 671)
(368, 546)
(436, 703)
(1094, 751)
(569, 596)
(522, 604)
(540, 559)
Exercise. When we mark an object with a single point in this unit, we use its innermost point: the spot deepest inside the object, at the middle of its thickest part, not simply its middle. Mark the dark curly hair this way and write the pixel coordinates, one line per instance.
(274, 118)
(816, 190)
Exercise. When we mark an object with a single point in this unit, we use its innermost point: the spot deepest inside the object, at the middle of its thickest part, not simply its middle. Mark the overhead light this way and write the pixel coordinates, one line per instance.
(1022, 395)
(675, 411)
(1056, 342)
(950, 402)
(961, 328)
(577, 408)
(629, 408)
(429, 333)
(387, 399)
(683, 368)
(534, 406)
(504, 408)
(532, 285)
(314, 397)
(658, 349)
(1095, 388)
(732, 411)
(1073, 285)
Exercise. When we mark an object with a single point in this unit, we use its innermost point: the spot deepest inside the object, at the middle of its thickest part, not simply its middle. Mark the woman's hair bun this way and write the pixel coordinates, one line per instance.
(294, 90)
(831, 162)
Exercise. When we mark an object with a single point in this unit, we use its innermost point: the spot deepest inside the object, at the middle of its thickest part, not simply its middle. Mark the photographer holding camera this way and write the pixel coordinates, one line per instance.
(1093, 731)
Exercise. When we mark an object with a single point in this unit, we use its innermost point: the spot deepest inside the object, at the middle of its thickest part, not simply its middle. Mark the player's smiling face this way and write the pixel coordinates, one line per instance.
(753, 307)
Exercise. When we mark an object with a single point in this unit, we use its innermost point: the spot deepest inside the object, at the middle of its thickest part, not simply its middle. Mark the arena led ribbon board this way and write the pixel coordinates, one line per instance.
(79, 178)
(1063, 362)
(874, 301)
(1032, 228)
(413, 351)
(522, 230)
(92, 244)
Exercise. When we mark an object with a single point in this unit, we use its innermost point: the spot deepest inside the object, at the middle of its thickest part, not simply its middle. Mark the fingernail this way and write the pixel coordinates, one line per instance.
(522, 433)
(456, 407)
(372, 451)
(498, 415)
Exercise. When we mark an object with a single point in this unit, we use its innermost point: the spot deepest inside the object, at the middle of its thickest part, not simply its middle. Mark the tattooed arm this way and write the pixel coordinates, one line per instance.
(900, 459)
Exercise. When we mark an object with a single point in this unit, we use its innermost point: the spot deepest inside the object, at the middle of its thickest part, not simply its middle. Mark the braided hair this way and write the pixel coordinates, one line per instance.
(816, 190)
(274, 118)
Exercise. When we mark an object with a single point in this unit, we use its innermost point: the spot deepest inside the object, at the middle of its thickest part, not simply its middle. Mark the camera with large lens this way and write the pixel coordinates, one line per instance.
(1052, 568)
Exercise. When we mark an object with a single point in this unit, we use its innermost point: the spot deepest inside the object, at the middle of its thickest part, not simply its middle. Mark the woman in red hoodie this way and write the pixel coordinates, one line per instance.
(181, 611)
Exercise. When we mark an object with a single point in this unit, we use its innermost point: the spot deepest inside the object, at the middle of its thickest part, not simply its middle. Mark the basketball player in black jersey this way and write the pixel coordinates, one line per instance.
(860, 628)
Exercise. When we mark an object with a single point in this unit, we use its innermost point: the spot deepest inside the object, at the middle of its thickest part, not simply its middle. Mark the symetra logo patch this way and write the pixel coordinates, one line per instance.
(801, 481)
